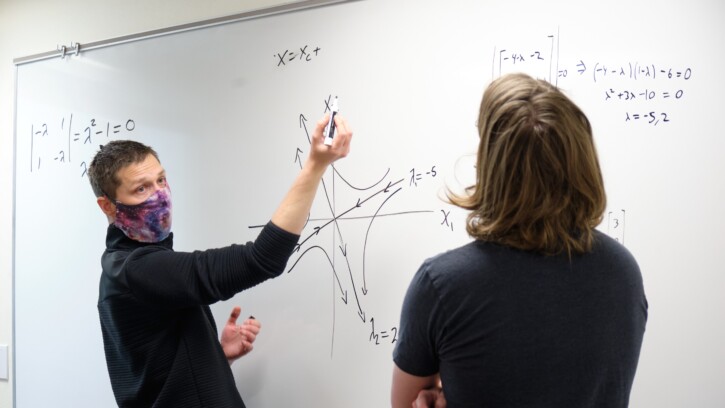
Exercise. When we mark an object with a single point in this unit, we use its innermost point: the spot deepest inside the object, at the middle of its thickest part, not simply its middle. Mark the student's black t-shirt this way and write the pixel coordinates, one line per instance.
(510, 328)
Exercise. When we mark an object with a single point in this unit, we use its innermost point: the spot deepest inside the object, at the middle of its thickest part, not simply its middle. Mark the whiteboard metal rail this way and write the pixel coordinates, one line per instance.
(75, 48)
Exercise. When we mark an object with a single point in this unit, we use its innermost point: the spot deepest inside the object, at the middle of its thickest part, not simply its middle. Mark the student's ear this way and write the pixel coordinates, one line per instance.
(108, 207)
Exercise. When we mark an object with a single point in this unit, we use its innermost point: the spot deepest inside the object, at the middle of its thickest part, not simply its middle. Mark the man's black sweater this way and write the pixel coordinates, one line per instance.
(161, 342)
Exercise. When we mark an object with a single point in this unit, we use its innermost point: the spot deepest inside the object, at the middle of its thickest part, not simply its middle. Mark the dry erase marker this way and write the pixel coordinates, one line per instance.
(330, 128)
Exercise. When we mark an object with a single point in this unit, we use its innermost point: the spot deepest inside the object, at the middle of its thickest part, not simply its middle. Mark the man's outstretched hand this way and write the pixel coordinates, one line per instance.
(237, 339)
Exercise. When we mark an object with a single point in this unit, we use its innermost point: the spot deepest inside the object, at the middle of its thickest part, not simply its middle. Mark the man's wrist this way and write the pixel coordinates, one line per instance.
(314, 168)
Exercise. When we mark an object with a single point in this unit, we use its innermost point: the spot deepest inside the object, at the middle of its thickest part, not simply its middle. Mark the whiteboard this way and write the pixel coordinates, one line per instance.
(229, 109)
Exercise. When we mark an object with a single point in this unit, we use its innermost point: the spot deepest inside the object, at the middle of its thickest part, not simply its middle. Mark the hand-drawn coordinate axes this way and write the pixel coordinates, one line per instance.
(388, 189)
(305, 246)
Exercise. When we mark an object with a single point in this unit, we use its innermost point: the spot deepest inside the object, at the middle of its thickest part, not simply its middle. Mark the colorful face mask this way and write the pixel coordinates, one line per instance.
(149, 221)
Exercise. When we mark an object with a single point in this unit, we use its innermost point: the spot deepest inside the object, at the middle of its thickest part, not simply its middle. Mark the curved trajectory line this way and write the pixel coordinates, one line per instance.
(365, 243)
(337, 279)
(361, 188)
(303, 124)
(344, 297)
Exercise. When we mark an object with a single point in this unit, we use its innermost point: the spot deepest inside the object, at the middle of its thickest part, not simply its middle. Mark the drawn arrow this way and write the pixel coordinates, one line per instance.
(297, 157)
(352, 280)
(384, 190)
(344, 297)
(387, 188)
(303, 124)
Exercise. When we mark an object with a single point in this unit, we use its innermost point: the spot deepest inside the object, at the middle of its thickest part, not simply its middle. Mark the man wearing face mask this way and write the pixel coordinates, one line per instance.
(160, 339)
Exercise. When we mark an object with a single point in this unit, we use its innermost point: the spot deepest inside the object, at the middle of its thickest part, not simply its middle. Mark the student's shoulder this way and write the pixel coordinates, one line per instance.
(473, 255)
(612, 250)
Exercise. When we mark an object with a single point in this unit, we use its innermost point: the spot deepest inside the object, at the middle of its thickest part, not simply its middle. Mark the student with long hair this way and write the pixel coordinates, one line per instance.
(540, 309)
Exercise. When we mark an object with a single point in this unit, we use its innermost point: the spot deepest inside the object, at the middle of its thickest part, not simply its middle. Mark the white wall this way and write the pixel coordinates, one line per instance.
(29, 27)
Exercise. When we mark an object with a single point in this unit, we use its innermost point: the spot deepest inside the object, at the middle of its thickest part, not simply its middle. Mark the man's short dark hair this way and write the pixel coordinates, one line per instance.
(112, 157)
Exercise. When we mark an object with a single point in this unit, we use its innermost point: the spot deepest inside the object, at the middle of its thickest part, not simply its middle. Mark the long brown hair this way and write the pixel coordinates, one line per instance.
(538, 182)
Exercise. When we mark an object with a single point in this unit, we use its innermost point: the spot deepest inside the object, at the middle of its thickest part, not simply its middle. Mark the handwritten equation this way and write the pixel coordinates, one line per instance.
(301, 54)
(632, 70)
(652, 117)
(61, 141)
(376, 336)
(416, 175)
(666, 84)
(646, 94)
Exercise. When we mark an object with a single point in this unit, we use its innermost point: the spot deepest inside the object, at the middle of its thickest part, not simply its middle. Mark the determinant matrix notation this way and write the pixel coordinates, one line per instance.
(62, 141)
